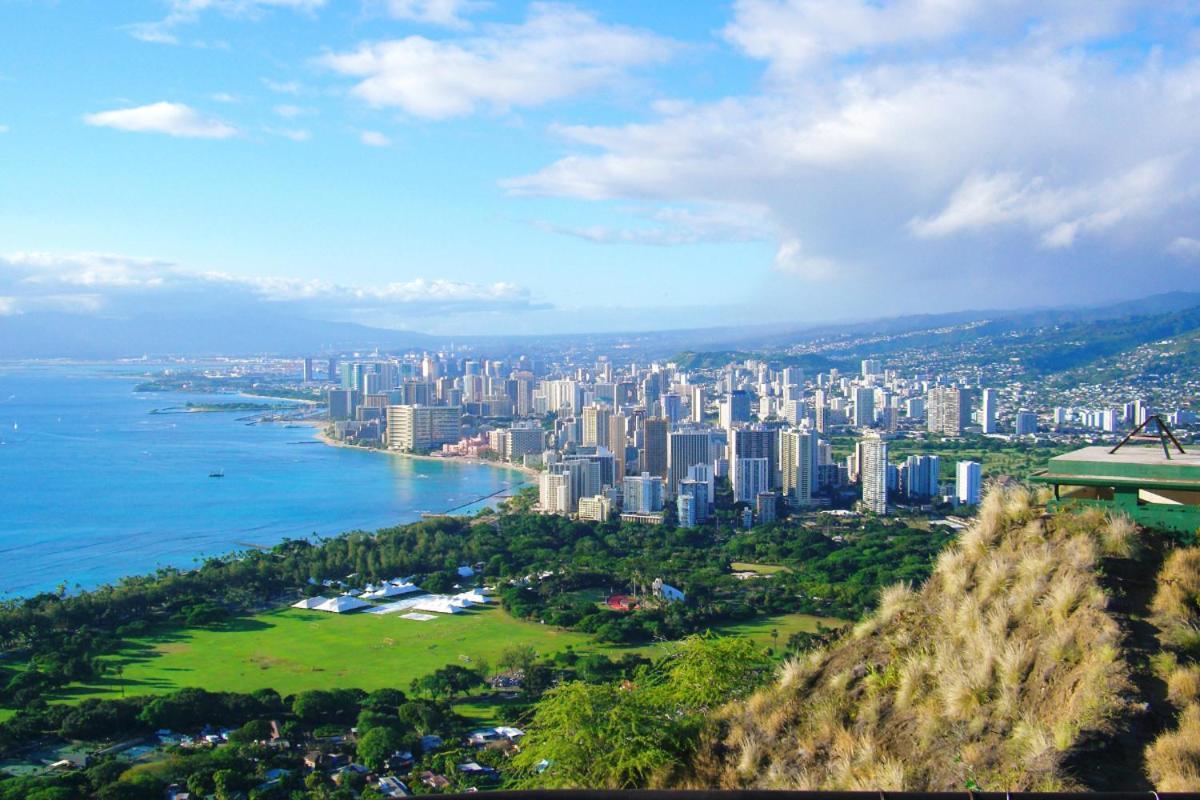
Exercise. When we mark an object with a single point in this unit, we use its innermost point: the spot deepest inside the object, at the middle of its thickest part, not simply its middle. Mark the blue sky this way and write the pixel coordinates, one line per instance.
(449, 165)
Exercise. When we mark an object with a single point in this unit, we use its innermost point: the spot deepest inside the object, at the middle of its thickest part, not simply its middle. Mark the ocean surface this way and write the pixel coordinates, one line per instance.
(93, 486)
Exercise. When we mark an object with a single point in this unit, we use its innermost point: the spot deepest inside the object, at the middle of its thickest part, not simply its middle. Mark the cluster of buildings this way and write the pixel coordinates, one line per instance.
(638, 439)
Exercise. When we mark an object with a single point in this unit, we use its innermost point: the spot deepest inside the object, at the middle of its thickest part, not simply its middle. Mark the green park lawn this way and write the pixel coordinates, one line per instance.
(291, 650)
(762, 569)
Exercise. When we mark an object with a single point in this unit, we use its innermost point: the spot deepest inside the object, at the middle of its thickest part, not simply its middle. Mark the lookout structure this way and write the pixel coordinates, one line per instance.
(1157, 486)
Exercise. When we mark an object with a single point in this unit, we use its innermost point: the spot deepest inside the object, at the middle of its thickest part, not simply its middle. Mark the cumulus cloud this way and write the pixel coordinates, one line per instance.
(904, 163)
(173, 119)
(113, 284)
(557, 52)
(447, 13)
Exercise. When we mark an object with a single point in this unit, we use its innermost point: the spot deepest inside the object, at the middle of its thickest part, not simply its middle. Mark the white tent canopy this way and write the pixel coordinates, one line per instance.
(341, 604)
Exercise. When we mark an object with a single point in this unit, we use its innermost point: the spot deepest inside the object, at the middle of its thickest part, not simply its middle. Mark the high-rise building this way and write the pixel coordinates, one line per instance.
(758, 441)
(692, 501)
(672, 407)
(685, 510)
(616, 443)
(735, 408)
(686, 449)
(991, 406)
(968, 482)
(331, 371)
(342, 404)
(947, 410)
(595, 425)
(697, 404)
(704, 473)
(765, 506)
(921, 476)
(871, 366)
(874, 473)
(798, 465)
(554, 492)
(654, 457)
(643, 494)
(1026, 423)
(751, 477)
(864, 407)
(306, 370)
(418, 428)
(524, 438)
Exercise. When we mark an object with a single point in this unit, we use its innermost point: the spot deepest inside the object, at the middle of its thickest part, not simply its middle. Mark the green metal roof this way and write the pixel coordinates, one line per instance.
(1130, 466)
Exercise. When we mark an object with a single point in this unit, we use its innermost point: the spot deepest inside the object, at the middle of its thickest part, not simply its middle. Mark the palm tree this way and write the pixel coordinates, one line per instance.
(774, 640)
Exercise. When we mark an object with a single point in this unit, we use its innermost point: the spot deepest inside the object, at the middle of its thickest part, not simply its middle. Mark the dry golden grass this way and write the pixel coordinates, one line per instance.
(992, 672)
(1173, 760)
(1176, 604)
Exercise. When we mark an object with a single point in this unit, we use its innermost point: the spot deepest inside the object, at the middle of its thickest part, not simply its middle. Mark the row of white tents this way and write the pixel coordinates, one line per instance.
(434, 603)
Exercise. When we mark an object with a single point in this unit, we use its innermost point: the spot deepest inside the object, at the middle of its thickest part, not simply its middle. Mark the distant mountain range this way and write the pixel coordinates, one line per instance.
(264, 329)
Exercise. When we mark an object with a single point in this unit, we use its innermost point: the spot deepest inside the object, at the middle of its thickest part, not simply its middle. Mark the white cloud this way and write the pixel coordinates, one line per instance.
(3, 129)
(186, 12)
(559, 51)
(375, 139)
(288, 111)
(1185, 247)
(906, 164)
(94, 282)
(795, 34)
(224, 97)
(173, 119)
(1058, 215)
(447, 13)
(791, 259)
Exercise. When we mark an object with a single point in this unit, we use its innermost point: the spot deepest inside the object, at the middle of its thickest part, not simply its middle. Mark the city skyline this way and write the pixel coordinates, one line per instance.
(466, 167)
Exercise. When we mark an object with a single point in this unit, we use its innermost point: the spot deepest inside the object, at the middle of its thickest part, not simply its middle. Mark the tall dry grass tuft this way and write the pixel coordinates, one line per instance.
(1119, 537)
(1173, 761)
(1007, 654)
(1176, 604)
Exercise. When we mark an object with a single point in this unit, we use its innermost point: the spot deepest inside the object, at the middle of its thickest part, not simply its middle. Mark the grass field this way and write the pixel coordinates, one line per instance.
(290, 650)
(762, 569)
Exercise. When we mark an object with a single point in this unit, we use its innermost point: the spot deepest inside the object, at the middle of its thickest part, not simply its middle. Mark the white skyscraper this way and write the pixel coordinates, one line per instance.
(874, 473)
(697, 400)
(798, 465)
(864, 407)
(991, 402)
(751, 476)
(968, 480)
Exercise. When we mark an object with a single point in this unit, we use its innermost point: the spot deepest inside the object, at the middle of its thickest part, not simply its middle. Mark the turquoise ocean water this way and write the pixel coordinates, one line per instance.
(94, 487)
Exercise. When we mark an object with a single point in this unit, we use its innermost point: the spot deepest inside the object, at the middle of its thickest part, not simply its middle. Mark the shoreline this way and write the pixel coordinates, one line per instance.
(325, 439)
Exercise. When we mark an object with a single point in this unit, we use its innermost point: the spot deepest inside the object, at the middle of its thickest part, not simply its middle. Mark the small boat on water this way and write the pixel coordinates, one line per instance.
(218, 474)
